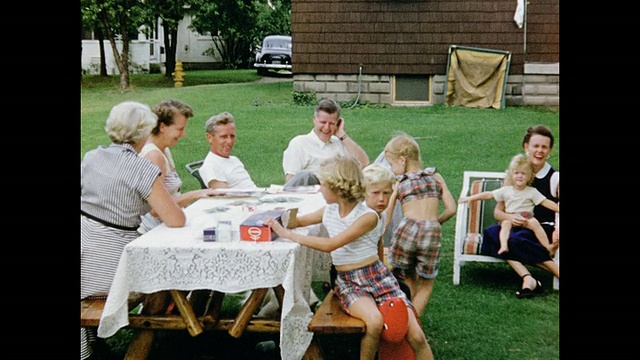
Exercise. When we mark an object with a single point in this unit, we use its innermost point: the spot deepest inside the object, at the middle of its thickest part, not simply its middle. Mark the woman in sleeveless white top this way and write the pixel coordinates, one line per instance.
(172, 120)
(172, 183)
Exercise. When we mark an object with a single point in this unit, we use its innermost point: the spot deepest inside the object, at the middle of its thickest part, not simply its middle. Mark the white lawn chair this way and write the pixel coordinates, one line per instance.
(473, 218)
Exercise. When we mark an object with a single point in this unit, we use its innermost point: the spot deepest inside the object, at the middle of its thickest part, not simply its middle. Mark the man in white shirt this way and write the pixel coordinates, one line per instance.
(303, 155)
(220, 169)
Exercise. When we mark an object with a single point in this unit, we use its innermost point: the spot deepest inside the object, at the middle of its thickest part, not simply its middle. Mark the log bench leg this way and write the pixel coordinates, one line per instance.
(199, 300)
(140, 346)
(279, 291)
(189, 317)
(213, 311)
(246, 312)
(154, 304)
(314, 351)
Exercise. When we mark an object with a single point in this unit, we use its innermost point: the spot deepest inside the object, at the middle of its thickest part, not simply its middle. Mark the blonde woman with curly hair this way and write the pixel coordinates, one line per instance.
(363, 281)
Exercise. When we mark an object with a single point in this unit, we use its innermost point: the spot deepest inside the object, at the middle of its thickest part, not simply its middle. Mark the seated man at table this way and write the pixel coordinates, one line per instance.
(303, 155)
(220, 169)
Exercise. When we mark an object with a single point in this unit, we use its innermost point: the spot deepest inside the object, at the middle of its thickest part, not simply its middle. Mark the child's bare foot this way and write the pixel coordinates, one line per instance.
(503, 250)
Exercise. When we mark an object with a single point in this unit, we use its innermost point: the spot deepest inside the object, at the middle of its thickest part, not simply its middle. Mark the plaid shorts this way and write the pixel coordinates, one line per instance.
(374, 281)
(416, 243)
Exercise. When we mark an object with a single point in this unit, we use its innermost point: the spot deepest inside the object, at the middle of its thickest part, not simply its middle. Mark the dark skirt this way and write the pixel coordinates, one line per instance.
(523, 244)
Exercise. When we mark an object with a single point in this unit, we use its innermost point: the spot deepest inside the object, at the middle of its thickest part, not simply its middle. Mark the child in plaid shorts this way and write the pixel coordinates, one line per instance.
(363, 280)
(415, 245)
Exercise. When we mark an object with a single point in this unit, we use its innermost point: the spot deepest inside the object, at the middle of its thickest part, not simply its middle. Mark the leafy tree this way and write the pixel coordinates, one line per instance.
(233, 25)
(275, 19)
(119, 19)
(171, 12)
(236, 26)
(90, 22)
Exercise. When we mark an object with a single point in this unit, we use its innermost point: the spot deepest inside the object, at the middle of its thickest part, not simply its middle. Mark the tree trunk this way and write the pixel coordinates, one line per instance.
(123, 64)
(174, 45)
(169, 49)
(103, 56)
(121, 60)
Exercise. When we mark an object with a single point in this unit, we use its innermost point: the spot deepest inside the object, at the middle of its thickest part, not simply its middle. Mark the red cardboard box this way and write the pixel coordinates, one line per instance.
(253, 228)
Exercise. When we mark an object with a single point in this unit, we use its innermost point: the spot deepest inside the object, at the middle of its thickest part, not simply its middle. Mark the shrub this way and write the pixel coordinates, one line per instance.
(304, 98)
(154, 68)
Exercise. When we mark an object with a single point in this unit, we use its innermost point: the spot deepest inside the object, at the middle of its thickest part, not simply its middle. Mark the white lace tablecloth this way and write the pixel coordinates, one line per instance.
(178, 258)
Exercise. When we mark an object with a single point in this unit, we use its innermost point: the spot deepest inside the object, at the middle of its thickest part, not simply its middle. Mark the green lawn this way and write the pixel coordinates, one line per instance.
(479, 319)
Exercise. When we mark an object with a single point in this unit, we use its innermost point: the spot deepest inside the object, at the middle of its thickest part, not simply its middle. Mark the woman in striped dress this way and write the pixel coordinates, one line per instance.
(117, 187)
(173, 116)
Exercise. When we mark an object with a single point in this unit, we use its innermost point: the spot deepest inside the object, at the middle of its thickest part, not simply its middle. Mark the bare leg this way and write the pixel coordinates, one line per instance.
(421, 290)
(537, 229)
(505, 229)
(410, 278)
(553, 247)
(527, 281)
(365, 308)
(416, 338)
(551, 266)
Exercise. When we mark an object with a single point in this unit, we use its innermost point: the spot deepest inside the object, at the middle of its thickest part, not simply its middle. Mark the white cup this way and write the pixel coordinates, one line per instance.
(224, 231)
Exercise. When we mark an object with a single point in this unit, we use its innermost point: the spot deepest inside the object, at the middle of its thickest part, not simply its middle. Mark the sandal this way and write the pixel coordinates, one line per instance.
(529, 293)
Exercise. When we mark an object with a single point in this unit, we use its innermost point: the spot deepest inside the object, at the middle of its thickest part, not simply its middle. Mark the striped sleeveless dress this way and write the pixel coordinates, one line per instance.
(115, 184)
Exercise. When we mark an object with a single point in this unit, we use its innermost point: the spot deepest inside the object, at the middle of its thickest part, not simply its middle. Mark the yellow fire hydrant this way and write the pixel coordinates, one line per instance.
(178, 75)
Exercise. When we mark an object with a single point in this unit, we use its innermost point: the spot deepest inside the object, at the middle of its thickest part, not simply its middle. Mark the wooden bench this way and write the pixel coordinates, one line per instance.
(91, 313)
(329, 319)
(472, 218)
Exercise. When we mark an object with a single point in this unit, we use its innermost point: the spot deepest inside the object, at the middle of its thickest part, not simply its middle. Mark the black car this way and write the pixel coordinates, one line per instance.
(275, 54)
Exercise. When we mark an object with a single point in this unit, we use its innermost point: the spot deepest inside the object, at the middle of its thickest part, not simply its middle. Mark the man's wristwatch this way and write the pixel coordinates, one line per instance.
(343, 137)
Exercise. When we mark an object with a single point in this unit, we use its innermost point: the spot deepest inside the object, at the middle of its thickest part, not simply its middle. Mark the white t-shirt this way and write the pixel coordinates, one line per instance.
(306, 152)
(230, 170)
(516, 201)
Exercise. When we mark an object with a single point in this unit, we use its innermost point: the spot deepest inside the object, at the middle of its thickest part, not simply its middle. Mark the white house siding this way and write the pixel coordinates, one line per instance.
(139, 54)
(191, 45)
(189, 50)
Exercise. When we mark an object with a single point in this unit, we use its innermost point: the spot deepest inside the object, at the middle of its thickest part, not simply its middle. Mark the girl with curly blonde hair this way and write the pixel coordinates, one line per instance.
(363, 280)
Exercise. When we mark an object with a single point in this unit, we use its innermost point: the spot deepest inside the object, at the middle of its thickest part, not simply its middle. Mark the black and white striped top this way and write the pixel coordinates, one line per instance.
(116, 183)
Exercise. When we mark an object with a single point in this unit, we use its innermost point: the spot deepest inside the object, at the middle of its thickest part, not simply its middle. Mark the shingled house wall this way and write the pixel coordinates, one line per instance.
(334, 39)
